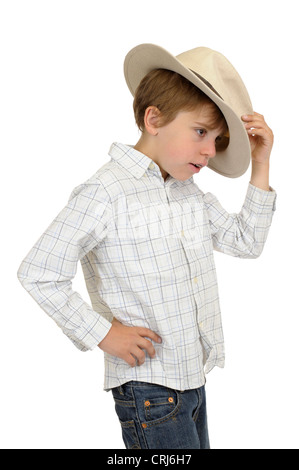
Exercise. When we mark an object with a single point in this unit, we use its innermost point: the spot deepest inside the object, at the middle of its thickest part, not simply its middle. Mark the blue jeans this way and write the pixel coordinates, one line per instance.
(157, 417)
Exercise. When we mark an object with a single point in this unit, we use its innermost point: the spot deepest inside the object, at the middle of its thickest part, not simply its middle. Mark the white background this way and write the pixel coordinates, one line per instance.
(63, 102)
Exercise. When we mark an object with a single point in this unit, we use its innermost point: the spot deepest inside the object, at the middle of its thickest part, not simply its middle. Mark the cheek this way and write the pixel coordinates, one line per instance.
(171, 151)
(176, 150)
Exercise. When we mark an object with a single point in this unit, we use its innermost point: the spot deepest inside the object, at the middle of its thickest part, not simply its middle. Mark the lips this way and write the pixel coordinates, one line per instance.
(194, 168)
(198, 165)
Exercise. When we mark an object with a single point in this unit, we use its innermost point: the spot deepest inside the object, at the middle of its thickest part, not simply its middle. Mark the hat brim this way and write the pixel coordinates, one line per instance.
(231, 162)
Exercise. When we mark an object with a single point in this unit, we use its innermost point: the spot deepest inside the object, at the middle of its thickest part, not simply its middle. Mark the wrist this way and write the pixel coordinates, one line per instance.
(260, 174)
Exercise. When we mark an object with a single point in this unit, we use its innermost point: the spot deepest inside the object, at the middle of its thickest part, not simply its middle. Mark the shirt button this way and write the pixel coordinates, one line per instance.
(195, 280)
(152, 166)
(182, 233)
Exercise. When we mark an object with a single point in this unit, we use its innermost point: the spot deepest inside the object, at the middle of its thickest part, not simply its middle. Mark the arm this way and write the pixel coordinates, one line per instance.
(48, 269)
(261, 142)
(244, 234)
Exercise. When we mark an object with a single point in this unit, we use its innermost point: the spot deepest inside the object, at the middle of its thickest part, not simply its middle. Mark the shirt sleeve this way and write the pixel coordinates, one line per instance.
(244, 234)
(50, 266)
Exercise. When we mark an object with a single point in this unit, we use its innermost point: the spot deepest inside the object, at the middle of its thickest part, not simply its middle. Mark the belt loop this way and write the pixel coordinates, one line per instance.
(121, 390)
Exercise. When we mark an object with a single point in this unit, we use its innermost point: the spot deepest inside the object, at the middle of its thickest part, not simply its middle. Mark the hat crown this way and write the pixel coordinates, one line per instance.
(220, 73)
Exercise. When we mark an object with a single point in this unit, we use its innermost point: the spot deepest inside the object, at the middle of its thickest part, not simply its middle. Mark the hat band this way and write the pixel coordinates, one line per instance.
(206, 83)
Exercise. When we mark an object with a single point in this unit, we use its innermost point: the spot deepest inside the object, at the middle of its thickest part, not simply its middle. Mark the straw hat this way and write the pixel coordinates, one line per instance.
(217, 78)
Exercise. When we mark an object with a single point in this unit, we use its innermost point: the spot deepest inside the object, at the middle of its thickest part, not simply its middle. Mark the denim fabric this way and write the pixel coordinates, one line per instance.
(157, 417)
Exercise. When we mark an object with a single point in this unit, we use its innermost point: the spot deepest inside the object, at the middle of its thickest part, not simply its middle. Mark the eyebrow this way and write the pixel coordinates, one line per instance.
(206, 126)
(202, 124)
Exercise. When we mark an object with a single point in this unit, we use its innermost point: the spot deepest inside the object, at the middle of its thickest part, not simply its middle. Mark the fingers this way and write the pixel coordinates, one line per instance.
(255, 124)
(255, 120)
(260, 136)
(138, 352)
(137, 355)
(149, 334)
(131, 360)
(130, 343)
(249, 117)
(148, 346)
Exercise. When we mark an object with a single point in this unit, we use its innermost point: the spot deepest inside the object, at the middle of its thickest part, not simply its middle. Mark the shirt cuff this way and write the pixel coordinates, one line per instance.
(258, 199)
(94, 331)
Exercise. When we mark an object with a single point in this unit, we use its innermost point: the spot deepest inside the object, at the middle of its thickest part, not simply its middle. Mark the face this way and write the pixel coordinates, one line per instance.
(185, 142)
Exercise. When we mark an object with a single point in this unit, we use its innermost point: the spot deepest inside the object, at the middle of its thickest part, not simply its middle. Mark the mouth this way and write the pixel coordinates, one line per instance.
(196, 166)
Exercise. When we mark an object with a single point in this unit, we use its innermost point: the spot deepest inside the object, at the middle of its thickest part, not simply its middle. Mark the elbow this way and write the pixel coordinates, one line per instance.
(20, 275)
(25, 281)
(254, 251)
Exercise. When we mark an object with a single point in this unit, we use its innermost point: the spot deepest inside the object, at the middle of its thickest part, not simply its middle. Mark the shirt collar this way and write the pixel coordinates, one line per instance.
(136, 163)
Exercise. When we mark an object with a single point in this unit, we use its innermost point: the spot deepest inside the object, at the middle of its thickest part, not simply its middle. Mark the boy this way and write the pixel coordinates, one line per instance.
(144, 233)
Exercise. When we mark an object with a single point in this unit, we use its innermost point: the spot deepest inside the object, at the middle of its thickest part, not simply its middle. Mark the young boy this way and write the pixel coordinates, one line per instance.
(145, 233)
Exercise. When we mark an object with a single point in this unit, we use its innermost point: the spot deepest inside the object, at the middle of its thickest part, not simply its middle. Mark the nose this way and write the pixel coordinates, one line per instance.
(209, 149)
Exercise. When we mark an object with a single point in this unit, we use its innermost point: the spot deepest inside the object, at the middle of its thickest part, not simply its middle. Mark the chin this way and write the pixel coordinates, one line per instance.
(182, 177)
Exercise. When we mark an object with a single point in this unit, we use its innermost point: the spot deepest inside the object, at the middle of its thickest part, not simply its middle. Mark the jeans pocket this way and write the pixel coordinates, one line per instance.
(156, 404)
(129, 434)
(160, 407)
(126, 412)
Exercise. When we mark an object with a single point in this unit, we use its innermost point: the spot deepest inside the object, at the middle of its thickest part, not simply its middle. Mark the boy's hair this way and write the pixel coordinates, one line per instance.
(172, 93)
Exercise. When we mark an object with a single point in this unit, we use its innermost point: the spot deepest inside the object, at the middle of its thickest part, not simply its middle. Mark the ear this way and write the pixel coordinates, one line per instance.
(151, 119)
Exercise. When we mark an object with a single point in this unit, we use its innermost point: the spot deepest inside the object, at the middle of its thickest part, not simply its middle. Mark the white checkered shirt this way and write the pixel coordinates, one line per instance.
(146, 249)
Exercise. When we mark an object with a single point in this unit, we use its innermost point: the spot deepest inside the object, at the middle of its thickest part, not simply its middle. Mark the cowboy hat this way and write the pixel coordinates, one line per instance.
(217, 78)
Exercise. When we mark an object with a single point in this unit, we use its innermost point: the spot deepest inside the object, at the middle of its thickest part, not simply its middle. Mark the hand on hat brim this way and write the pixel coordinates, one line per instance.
(260, 136)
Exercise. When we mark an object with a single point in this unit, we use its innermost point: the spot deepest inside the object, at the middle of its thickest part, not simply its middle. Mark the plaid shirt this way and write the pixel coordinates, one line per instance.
(146, 249)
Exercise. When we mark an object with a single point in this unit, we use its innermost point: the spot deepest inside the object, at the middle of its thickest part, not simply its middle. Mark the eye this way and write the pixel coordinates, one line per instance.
(201, 132)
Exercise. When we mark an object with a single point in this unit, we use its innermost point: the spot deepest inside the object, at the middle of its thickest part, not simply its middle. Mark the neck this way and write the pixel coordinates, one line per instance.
(147, 147)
